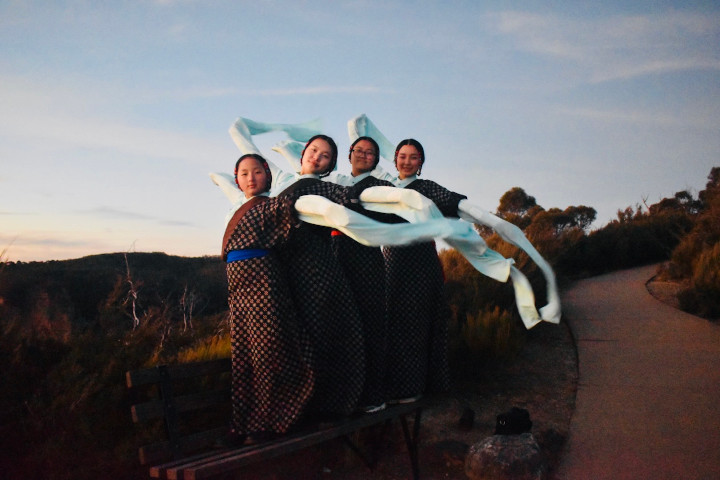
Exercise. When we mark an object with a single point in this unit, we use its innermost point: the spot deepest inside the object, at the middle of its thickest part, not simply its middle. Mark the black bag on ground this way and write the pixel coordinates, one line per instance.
(513, 422)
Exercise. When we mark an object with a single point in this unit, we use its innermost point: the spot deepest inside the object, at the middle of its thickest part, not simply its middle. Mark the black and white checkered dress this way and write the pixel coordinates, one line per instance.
(418, 314)
(364, 268)
(326, 306)
(272, 375)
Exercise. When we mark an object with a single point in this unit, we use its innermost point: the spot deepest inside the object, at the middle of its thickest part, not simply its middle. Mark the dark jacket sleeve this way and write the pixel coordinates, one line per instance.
(446, 200)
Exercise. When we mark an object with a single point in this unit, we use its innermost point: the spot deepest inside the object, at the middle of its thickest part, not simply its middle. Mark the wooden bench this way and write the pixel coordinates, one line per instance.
(184, 408)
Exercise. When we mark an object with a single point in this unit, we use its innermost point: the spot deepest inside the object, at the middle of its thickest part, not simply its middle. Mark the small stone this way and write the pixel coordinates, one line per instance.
(506, 457)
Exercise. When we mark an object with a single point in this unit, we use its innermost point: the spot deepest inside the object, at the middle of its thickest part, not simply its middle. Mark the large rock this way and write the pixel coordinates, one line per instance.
(506, 457)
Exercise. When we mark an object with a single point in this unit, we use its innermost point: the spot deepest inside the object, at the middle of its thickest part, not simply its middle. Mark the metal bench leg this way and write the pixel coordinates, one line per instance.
(170, 410)
(412, 442)
(369, 462)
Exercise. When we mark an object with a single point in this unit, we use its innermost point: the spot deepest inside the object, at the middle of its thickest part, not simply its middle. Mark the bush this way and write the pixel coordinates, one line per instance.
(641, 240)
(695, 260)
(484, 337)
(212, 348)
(702, 297)
(481, 328)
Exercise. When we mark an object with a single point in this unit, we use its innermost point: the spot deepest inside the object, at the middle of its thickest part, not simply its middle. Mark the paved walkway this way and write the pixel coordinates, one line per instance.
(648, 399)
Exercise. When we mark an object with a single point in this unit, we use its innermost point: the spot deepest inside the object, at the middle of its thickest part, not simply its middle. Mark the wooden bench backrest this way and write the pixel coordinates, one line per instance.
(190, 402)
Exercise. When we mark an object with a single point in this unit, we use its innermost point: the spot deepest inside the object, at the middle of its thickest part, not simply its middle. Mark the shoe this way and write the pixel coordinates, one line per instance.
(406, 400)
(373, 408)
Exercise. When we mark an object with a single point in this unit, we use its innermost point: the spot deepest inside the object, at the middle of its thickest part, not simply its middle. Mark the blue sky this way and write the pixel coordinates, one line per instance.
(113, 113)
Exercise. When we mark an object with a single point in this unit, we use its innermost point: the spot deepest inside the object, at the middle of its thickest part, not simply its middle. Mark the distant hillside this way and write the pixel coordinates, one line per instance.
(59, 298)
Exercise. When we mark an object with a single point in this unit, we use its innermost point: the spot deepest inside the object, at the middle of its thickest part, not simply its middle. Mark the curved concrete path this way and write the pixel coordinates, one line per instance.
(648, 399)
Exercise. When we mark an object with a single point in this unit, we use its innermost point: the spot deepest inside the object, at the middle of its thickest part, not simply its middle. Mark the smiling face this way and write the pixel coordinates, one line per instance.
(251, 177)
(317, 157)
(408, 161)
(362, 157)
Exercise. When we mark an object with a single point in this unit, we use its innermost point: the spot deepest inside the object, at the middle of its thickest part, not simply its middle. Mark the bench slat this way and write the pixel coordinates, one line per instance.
(153, 409)
(214, 463)
(226, 461)
(161, 451)
(160, 471)
(152, 375)
(175, 410)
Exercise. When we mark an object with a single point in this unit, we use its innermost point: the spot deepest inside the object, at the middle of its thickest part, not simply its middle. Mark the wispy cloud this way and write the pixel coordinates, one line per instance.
(115, 213)
(617, 47)
(110, 212)
(35, 240)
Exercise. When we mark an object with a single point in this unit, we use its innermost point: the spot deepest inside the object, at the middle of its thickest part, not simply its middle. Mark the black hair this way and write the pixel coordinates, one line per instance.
(374, 144)
(417, 145)
(333, 148)
(264, 164)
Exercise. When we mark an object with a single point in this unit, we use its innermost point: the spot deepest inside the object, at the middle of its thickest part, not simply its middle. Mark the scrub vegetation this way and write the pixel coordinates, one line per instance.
(70, 329)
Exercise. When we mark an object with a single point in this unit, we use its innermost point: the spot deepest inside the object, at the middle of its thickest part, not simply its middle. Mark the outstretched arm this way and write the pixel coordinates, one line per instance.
(228, 186)
(319, 210)
(409, 204)
(292, 151)
(242, 136)
(414, 207)
(361, 125)
(243, 129)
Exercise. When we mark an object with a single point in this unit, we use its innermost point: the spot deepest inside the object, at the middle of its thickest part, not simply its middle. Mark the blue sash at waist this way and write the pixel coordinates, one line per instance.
(237, 255)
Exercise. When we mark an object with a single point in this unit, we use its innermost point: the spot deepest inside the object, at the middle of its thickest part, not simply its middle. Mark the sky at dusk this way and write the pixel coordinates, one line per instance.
(112, 114)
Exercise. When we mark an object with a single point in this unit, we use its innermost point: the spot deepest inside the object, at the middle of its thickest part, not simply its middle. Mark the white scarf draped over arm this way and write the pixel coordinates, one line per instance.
(415, 207)
(461, 235)
(242, 130)
(321, 211)
(361, 125)
(227, 184)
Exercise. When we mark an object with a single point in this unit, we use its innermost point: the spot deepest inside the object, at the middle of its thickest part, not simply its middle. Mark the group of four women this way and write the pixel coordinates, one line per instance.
(322, 325)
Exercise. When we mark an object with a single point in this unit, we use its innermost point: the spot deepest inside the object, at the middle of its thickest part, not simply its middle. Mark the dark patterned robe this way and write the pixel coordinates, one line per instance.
(272, 377)
(418, 313)
(325, 305)
(364, 268)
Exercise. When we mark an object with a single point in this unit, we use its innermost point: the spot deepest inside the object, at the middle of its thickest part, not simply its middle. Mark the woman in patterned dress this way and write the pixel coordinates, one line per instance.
(417, 311)
(325, 304)
(272, 375)
(363, 266)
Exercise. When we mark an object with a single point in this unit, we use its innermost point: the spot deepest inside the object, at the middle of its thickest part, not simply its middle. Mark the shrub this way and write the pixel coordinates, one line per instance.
(626, 243)
(702, 297)
(481, 328)
(217, 346)
(66, 342)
